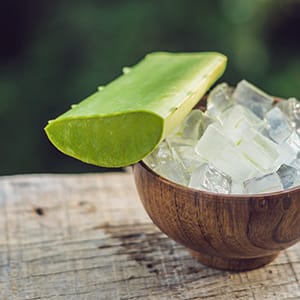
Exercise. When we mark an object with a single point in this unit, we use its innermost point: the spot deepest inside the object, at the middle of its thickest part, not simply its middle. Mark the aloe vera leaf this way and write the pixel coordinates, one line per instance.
(123, 122)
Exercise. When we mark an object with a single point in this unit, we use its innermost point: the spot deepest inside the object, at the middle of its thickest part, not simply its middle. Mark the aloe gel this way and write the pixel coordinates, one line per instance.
(124, 121)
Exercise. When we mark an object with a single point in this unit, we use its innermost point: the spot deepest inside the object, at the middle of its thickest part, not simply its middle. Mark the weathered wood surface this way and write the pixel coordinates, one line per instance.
(88, 237)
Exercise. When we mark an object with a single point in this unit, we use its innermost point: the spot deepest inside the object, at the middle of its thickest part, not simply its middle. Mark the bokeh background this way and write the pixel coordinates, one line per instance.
(55, 53)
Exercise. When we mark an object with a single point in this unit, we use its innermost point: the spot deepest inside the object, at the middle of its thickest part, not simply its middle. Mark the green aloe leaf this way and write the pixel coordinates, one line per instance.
(123, 122)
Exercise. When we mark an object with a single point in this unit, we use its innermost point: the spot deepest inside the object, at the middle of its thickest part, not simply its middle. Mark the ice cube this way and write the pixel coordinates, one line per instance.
(173, 171)
(294, 142)
(258, 150)
(255, 154)
(219, 99)
(289, 150)
(220, 151)
(295, 163)
(194, 125)
(270, 148)
(160, 155)
(239, 112)
(291, 108)
(289, 176)
(264, 184)
(287, 155)
(231, 162)
(207, 177)
(237, 120)
(190, 159)
(278, 125)
(185, 150)
(211, 143)
(176, 141)
(237, 188)
(165, 161)
(253, 98)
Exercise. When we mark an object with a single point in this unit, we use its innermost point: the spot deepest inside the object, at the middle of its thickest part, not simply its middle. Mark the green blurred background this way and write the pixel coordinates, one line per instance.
(55, 53)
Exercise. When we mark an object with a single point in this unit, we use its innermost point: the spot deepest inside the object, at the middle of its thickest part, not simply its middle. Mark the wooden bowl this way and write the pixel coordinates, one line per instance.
(230, 232)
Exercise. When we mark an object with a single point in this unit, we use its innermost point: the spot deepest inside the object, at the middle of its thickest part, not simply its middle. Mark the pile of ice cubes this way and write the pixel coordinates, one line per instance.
(242, 144)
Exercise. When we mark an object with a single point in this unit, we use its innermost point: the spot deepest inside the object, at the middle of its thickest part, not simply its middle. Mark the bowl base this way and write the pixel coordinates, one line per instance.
(232, 264)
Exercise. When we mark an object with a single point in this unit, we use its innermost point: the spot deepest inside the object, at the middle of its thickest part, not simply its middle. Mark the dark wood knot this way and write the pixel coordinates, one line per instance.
(286, 202)
(261, 205)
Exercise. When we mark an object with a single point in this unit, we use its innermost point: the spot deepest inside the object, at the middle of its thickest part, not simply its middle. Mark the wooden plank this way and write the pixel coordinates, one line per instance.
(88, 237)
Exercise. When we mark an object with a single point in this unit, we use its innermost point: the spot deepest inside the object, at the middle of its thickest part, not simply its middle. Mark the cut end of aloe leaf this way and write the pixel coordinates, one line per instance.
(108, 141)
(124, 121)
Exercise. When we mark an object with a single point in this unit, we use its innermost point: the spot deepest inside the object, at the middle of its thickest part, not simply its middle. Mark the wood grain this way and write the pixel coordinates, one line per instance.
(88, 237)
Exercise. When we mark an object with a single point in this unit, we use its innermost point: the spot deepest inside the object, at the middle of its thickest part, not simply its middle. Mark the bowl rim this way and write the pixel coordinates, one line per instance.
(219, 195)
